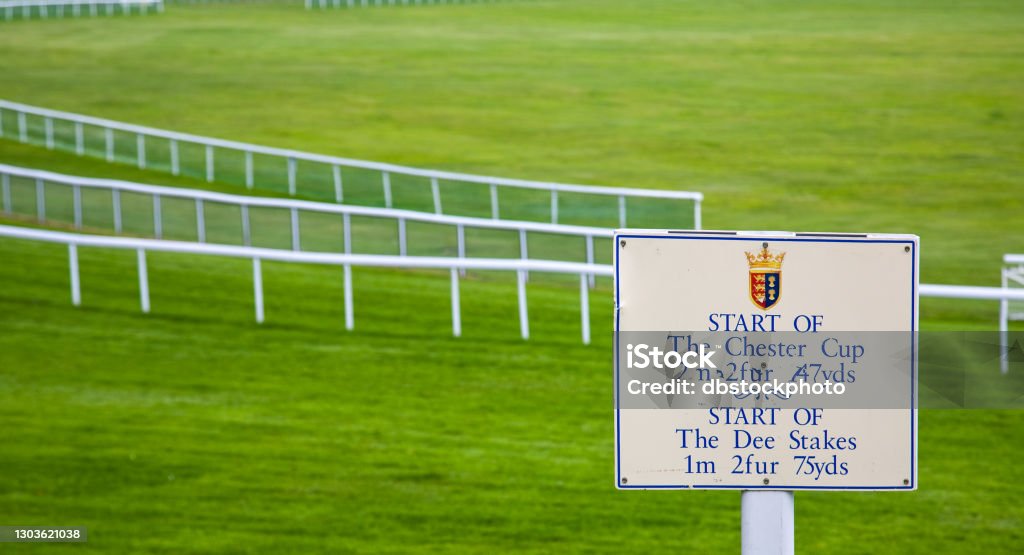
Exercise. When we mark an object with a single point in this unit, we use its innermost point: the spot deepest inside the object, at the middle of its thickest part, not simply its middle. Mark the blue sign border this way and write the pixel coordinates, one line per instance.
(818, 238)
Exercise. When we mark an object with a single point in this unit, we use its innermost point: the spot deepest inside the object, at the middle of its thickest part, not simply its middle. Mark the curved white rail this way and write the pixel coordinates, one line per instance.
(291, 157)
(75, 8)
(324, 4)
(295, 207)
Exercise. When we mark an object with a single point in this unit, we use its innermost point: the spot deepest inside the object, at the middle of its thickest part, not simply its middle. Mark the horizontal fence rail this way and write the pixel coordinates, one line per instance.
(971, 292)
(345, 180)
(39, 187)
(43, 9)
(346, 261)
(324, 4)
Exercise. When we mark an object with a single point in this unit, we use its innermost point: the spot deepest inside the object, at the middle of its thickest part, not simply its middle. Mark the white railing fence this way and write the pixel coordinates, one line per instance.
(345, 180)
(189, 2)
(324, 4)
(38, 189)
(346, 261)
(1012, 279)
(43, 9)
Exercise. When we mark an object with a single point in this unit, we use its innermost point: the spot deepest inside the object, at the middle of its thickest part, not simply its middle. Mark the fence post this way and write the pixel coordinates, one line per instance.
(622, 211)
(339, 193)
(200, 221)
(766, 522)
(48, 125)
(76, 193)
(246, 235)
(108, 136)
(460, 239)
(435, 190)
(347, 270)
(257, 289)
(296, 239)
(346, 231)
(79, 135)
(585, 308)
(158, 226)
(143, 281)
(115, 198)
(76, 290)
(696, 214)
(590, 257)
(140, 150)
(386, 183)
(40, 200)
(523, 250)
(209, 163)
(524, 322)
(291, 176)
(554, 206)
(401, 237)
(349, 316)
(248, 169)
(1004, 325)
(175, 167)
(456, 310)
(494, 202)
(6, 186)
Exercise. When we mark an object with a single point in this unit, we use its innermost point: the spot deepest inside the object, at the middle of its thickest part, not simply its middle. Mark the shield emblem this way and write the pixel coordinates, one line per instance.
(765, 288)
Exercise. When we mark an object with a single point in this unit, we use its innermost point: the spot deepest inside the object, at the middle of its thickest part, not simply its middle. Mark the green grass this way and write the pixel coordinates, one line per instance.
(854, 116)
(195, 430)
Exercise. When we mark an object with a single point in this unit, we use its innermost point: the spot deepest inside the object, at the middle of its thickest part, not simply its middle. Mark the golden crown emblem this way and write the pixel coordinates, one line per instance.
(765, 261)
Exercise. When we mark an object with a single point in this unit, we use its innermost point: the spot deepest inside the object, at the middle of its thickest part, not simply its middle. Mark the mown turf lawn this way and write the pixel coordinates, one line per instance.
(849, 116)
(195, 430)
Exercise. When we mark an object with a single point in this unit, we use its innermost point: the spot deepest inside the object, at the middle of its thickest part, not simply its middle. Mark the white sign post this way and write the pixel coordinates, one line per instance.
(767, 363)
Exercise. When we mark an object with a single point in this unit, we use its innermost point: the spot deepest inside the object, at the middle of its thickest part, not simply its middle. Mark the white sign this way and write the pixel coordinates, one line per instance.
(765, 360)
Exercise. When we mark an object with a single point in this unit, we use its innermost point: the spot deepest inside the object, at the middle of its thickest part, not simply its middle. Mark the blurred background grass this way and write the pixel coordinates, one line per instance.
(195, 430)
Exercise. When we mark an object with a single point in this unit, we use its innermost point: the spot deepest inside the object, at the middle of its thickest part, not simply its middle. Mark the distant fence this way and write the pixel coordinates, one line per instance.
(324, 4)
(152, 197)
(346, 261)
(43, 9)
(345, 180)
(1012, 277)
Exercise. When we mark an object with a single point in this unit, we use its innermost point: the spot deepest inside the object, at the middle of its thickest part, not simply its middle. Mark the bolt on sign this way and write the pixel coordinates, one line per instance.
(765, 360)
